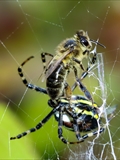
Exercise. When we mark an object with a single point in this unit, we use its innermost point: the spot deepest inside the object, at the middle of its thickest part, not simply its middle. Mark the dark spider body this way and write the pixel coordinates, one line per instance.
(80, 116)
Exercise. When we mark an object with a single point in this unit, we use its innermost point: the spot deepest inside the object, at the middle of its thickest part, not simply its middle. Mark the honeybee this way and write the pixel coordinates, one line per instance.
(69, 56)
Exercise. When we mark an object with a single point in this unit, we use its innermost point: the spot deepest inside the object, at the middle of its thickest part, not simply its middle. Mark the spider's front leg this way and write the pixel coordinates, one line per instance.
(24, 80)
(85, 72)
(75, 127)
(43, 58)
(38, 126)
(82, 87)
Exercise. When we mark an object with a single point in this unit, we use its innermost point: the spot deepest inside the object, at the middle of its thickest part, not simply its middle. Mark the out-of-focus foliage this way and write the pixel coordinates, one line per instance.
(17, 149)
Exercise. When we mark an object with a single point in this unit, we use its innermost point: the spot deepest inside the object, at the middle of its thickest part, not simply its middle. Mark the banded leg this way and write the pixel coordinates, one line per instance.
(85, 73)
(82, 87)
(24, 80)
(99, 131)
(60, 131)
(43, 55)
(38, 126)
(76, 130)
(75, 127)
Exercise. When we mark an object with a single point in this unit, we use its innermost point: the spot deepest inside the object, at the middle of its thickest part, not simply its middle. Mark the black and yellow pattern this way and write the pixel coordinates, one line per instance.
(78, 116)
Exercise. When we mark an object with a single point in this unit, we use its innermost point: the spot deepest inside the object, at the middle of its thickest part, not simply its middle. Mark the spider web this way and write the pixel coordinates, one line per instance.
(31, 27)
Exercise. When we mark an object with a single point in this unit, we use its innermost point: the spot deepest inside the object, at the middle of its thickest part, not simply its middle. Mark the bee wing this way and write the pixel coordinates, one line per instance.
(45, 70)
(52, 66)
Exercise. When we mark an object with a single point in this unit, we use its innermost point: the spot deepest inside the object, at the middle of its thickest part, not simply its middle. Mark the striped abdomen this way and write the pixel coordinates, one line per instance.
(55, 83)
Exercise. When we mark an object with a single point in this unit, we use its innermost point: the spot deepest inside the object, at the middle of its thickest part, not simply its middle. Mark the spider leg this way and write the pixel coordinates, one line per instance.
(76, 129)
(99, 131)
(60, 131)
(89, 135)
(44, 59)
(24, 80)
(82, 87)
(85, 73)
(38, 126)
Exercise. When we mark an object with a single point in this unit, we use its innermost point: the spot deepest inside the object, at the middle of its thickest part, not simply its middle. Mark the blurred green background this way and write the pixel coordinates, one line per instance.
(29, 28)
